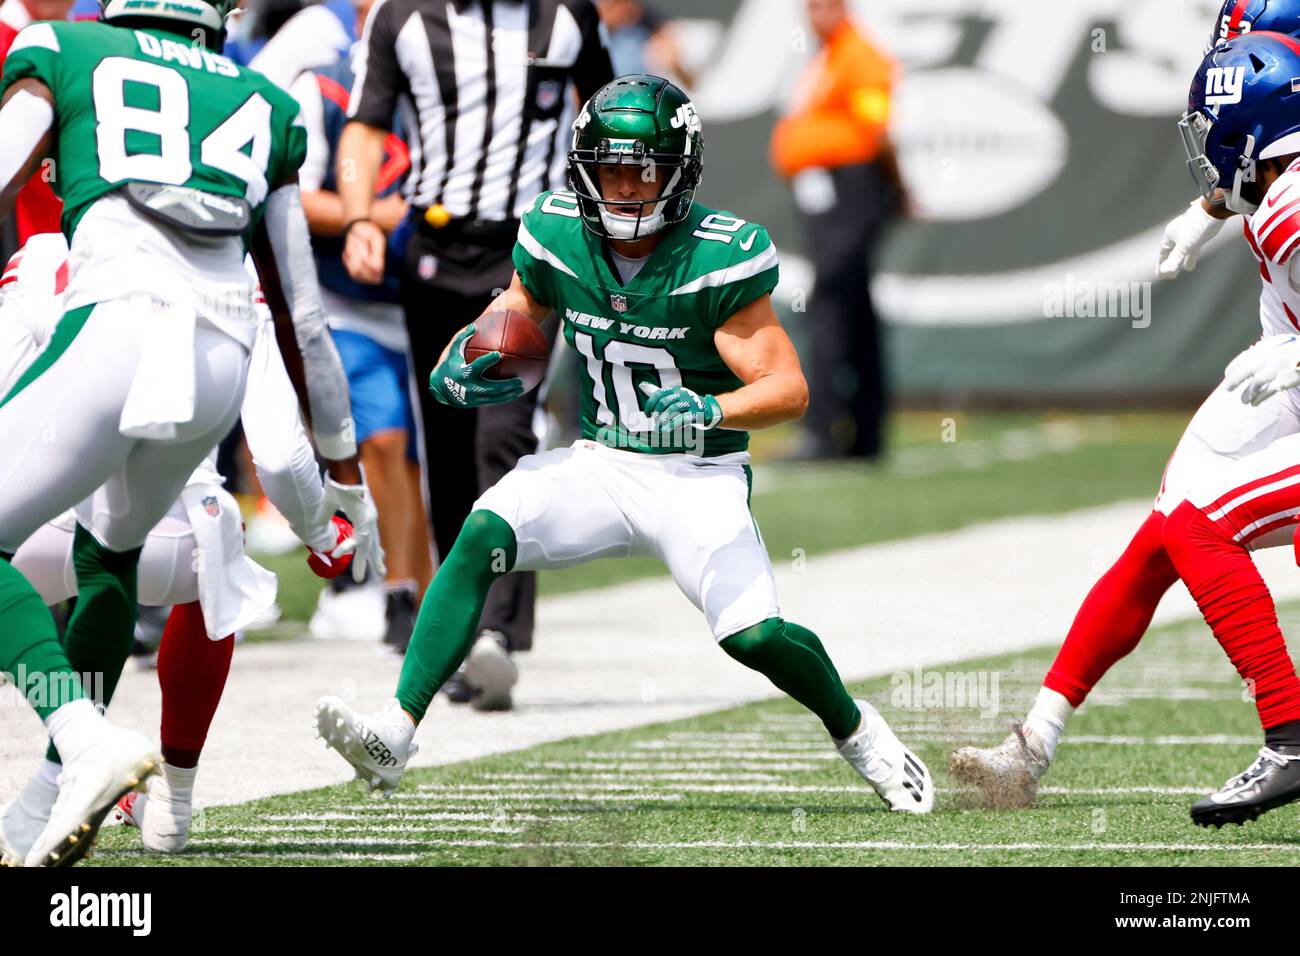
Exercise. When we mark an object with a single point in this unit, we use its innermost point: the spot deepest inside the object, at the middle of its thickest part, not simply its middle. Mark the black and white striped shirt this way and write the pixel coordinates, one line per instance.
(486, 83)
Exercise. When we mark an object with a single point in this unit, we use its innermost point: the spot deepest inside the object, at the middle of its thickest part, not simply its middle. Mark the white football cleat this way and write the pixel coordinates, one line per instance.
(1006, 775)
(376, 745)
(91, 784)
(162, 814)
(490, 670)
(22, 821)
(880, 758)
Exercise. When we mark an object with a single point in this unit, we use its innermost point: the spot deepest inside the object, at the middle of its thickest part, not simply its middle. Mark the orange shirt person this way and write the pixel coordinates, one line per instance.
(834, 148)
(841, 110)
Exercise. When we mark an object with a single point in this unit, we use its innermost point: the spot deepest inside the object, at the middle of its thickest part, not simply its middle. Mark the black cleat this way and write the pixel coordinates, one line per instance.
(1272, 781)
(457, 688)
(399, 614)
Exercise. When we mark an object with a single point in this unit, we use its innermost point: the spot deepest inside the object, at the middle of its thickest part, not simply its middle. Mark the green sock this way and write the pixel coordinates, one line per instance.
(29, 646)
(448, 620)
(102, 628)
(792, 658)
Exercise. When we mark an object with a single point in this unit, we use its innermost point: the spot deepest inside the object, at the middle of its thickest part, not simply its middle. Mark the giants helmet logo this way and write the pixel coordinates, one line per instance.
(1223, 85)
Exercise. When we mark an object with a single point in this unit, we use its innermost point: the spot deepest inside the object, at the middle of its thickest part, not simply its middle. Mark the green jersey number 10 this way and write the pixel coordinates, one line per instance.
(618, 358)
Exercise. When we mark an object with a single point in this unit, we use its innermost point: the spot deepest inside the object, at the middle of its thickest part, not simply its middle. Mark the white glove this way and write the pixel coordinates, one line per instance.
(355, 502)
(1264, 369)
(1183, 240)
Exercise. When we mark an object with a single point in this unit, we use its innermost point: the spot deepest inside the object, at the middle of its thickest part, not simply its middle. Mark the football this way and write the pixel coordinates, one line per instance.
(523, 347)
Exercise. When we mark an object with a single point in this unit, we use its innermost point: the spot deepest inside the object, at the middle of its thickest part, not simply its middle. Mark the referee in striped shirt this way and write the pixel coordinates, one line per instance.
(488, 90)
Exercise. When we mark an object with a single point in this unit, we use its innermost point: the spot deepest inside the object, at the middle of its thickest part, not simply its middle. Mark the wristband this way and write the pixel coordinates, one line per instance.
(347, 226)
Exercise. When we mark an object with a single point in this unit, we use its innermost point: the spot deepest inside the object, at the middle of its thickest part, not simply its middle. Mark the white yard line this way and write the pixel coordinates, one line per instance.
(583, 795)
(318, 828)
(644, 767)
(331, 857)
(652, 776)
(635, 654)
(412, 814)
(270, 853)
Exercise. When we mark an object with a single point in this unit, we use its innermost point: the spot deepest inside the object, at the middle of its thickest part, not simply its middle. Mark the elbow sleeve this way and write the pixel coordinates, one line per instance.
(24, 119)
(327, 385)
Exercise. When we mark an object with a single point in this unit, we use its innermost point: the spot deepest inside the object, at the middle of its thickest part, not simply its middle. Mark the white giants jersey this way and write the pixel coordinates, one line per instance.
(1273, 232)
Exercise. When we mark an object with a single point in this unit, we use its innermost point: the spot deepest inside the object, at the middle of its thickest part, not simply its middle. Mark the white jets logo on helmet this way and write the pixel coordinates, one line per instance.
(1223, 85)
(686, 116)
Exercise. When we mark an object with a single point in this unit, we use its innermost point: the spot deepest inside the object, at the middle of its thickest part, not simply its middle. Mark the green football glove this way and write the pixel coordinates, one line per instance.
(673, 409)
(462, 384)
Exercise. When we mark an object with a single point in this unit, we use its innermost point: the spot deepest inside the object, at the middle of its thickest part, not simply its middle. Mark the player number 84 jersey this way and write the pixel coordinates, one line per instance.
(148, 106)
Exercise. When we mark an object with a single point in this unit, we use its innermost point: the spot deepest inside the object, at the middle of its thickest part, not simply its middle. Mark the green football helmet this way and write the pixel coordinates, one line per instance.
(210, 15)
(643, 121)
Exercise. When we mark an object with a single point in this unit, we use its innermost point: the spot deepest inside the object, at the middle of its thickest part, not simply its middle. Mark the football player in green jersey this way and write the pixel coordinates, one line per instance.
(669, 305)
(171, 161)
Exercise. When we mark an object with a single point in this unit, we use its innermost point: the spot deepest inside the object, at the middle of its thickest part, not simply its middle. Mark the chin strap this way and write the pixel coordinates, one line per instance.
(1245, 174)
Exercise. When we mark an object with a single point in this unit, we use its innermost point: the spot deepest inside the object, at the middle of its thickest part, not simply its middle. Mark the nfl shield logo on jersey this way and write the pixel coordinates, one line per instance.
(212, 506)
(619, 302)
(548, 94)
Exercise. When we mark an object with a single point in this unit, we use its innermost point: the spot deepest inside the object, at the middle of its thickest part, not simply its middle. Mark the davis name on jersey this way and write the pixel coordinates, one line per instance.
(1273, 233)
(658, 327)
(145, 106)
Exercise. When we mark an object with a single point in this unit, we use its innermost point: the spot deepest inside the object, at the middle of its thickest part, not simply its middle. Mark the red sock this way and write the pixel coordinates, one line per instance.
(1236, 604)
(192, 671)
(1115, 614)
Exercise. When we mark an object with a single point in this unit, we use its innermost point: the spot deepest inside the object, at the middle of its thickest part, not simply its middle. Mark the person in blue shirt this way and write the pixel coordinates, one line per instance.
(368, 329)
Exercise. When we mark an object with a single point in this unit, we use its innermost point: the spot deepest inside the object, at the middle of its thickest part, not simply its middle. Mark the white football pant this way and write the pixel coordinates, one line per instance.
(572, 505)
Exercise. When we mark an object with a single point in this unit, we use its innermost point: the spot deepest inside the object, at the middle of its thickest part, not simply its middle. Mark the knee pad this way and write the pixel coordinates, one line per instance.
(1184, 524)
(89, 554)
(486, 537)
(752, 643)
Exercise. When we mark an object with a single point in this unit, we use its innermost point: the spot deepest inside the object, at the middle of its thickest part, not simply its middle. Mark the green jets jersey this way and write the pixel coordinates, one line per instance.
(149, 106)
(658, 327)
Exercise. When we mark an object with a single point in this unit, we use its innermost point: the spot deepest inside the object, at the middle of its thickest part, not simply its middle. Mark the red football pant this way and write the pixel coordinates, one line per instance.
(1214, 563)
(192, 671)
(1115, 614)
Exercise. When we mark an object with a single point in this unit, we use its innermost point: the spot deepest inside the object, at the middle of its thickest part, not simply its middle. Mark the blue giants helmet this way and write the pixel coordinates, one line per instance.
(1244, 106)
(1238, 17)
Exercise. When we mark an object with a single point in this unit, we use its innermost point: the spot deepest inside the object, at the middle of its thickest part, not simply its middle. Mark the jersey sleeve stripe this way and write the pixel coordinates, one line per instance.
(1288, 247)
(1277, 216)
(539, 251)
(1280, 236)
(752, 266)
(40, 35)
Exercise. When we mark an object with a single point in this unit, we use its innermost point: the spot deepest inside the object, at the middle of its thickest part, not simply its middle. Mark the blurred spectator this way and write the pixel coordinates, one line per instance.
(834, 147)
(315, 36)
(366, 322)
(296, 35)
(640, 41)
(19, 13)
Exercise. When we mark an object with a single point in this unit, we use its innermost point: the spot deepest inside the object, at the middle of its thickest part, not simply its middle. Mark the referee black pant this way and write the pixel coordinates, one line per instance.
(467, 450)
(845, 361)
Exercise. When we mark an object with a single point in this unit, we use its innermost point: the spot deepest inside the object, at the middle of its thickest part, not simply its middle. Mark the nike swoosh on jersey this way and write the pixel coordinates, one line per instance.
(1272, 200)
(746, 243)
